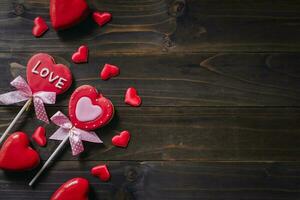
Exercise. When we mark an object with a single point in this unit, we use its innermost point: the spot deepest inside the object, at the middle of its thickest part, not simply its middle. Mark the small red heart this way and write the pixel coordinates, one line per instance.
(40, 27)
(81, 55)
(65, 14)
(17, 155)
(132, 98)
(74, 189)
(122, 139)
(101, 171)
(88, 109)
(109, 71)
(44, 75)
(101, 18)
(39, 136)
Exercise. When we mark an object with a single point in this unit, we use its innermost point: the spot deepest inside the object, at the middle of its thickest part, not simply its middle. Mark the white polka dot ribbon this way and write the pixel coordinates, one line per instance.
(24, 93)
(76, 135)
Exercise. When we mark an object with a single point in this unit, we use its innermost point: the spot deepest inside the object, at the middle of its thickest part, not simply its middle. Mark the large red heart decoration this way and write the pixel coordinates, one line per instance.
(74, 189)
(40, 27)
(88, 109)
(44, 75)
(65, 14)
(101, 171)
(16, 155)
(122, 139)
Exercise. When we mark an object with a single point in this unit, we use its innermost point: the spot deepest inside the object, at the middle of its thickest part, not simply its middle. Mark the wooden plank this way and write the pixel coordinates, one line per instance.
(233, 25)
(186, 133)
(166, 180)
(251, 79)
(147, 26)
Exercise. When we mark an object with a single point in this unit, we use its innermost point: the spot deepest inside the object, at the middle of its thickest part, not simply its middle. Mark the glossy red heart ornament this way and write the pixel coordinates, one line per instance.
(40, 27)
(44, 75)
(101, 18)
(132, 98)
(74, 189)
(67, 13)
(101, 171)
(109, 71)
(122, 139)
(81, 55)
(88, 109)
(17, 155)
(39, 136)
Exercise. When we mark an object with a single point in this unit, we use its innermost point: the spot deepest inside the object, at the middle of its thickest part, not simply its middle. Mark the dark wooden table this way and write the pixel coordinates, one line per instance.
(220, 82)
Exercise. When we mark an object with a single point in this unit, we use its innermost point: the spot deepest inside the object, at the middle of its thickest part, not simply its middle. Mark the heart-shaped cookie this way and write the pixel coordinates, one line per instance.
(65, 14)
(109, 71)
(39, 136)
(132, 98)
(122, 139)
(88, 109)
(44, 75)
(17, 155)
(81, 55)
(40, 27)
(101, 171)
(74, 189)
(101, 18)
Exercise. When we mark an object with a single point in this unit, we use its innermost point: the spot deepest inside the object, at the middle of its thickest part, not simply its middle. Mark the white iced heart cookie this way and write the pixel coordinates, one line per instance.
(85, 111)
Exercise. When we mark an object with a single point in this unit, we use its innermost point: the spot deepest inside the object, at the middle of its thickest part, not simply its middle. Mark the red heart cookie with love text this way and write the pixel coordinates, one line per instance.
(101, 18)
(81, 55)
(44, 75)
(122, 139)
(109, 71)
(65, 14)
(101, 171)
(74, 189)
(17, 155)
(40, 27)
(88, 109)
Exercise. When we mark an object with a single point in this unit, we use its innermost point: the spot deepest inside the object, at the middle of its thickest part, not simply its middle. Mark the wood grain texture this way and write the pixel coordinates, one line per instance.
(166, 181)
(255, 79)
(188, 133)
(219, 81)
(161, 26)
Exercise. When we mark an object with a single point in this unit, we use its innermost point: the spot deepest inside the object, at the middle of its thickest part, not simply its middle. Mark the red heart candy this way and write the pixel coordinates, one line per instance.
(40, 27)
(17, 155)
(44, 75)
(89, 110)
(109, 71)
(132, 98)
(101, 18)
(81, 55)
(74, 189)
(101, 171)
(39, 136)
(122, 139)
(65, 14)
